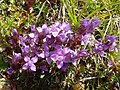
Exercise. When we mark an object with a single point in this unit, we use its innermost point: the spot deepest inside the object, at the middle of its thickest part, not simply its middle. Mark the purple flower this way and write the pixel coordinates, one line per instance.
(71, 37)
(64, 67)
(94, 23)
(45, 29)
(56, 43)
(29, 65)
(62, 37)
(85, 39)
(39, 29)
(54, 30)
(66, 27)
(83, 53)
(15, 38)
(25, 49)
(99, 48)
(43, 68)
(73, 57)
(84, 26)
(10, 71)
(110, 40)
(16, 57)
(87, 26)
(47, 53)
(50, 39)
(60, 56)
(31, 35)
(14, 32)
(58, 59)
(11, 41)
(64, 55)
(110, 43)
(33, 59)
(33, 29)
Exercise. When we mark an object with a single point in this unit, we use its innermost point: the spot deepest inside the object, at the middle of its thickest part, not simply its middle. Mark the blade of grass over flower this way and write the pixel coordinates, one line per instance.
(107, 27)
(105, 6)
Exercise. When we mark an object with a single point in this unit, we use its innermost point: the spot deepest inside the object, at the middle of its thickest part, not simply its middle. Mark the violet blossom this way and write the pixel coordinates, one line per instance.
(30, 63)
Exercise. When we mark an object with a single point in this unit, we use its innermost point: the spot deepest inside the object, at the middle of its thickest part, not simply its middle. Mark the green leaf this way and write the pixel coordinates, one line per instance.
(3, 65)
(12, 1)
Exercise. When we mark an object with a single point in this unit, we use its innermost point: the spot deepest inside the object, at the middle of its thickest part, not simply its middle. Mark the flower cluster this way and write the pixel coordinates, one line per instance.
(56, 44)
(108, 46)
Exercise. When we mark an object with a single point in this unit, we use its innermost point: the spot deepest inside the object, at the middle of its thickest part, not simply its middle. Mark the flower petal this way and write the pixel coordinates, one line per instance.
(26, 59)
(25, 66)
(34, 59)
(32, 67)
(59, 64)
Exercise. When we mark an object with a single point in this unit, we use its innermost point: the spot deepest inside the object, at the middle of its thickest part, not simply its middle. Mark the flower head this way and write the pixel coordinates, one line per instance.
(99, 48)
(16, 57)
(10, 71)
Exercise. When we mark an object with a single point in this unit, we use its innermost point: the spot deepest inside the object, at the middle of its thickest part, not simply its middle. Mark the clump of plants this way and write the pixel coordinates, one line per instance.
(55, 57)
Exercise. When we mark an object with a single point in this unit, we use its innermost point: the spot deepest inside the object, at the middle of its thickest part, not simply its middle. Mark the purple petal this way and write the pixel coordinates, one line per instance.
(32, 67)
(10, 71)
(59, 64)
(74, 62)
(39, 29)
(65, 26)
(31, 35)
(11, 41)
(110, 39)
(64, 67)
(34, 59)
(62, 37)
(33, 28)
(66, 50)
(55, 34)
(16, 56)
(71, 37)
(83, 53)
(84, 26)
(42, 55)
(95, 22)
(45, 29)
(85, 39)
(102, 53)
(43, 68)
(48, 60)
(54, 30)
(73, 54)
(25, 66)
(14, 32)
(25, 49)
(47, 54)
(26, 59)
(54, 57)
(67, 59)
(60, 58)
